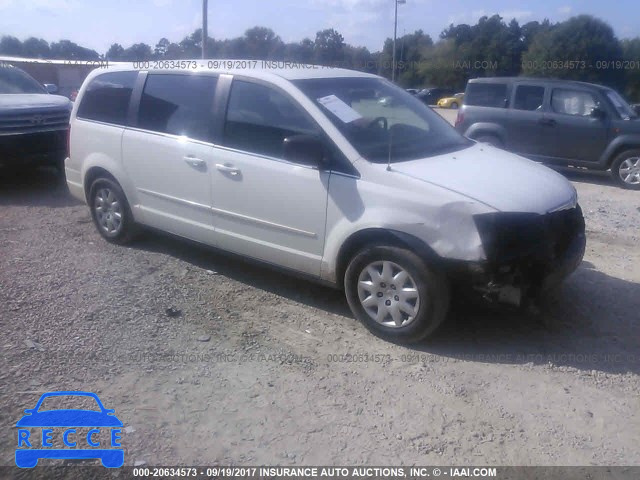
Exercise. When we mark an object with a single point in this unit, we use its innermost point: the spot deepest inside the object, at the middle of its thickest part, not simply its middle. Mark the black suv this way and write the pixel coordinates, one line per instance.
(555, 121)
(33, 123)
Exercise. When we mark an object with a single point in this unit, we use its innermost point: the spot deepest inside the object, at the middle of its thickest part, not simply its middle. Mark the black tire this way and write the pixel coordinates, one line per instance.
(432, 288)
(127, 230)
(454, 105)
(489, 140)
(619, 162)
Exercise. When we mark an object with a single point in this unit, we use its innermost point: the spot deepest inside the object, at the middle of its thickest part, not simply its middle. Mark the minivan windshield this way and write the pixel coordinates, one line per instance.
(14, 80)
(382, 121)
(621, 106)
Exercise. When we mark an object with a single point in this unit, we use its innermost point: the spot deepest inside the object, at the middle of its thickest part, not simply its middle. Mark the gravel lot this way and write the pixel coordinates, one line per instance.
(254, 367)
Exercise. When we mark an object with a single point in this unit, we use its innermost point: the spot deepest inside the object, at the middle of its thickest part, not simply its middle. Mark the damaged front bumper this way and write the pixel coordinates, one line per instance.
(527, 254)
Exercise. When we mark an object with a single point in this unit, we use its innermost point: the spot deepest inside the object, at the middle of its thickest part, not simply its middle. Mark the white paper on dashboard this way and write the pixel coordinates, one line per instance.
(340, 109)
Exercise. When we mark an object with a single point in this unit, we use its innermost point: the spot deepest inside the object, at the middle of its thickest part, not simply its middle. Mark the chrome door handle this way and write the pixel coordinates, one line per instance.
(195, 162)
(228, 169)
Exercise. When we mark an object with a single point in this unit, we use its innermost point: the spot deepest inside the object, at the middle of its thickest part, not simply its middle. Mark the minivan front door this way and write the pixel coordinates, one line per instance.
(569, 130)
(168, 154)
(264, 206)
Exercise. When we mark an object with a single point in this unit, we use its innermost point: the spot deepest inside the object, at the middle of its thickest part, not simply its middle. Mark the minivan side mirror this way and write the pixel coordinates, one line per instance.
(305, 149)
(51, 87)
(598, 113)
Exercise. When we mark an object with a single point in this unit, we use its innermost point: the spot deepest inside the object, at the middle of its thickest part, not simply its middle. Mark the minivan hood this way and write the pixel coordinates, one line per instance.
(499, 179)
(28, 101)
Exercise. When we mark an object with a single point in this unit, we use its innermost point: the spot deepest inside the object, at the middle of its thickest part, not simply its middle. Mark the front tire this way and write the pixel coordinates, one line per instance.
(625, 169)
(454, 106)
(110, 212)
(395, 294)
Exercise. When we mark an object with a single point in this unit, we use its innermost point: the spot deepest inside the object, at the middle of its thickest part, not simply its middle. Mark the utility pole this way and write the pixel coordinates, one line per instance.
(395, 35)
(204, 28)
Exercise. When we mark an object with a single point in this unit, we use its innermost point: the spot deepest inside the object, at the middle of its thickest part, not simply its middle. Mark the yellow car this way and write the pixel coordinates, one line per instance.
(454, 102)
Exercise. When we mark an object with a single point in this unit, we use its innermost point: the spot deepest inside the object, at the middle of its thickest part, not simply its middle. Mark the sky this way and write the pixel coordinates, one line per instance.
(97, 24)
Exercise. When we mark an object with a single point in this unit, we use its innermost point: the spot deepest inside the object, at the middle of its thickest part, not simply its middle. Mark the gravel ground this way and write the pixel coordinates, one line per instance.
(253, 367)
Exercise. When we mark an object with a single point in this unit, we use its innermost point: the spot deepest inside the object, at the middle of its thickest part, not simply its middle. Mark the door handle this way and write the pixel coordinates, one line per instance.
(195, 161)
(550, 122)
(228, 169)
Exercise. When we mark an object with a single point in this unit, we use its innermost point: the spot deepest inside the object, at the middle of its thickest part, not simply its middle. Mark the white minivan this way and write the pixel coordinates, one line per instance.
(306, 169)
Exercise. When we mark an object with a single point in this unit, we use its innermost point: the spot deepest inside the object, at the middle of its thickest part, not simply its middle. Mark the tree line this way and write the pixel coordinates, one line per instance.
(580, 48)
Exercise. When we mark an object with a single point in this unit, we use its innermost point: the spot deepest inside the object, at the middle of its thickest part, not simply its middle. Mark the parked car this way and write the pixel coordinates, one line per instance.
(431, 96)
(454, 102)
(557, 122)
(33, 122)
(310, 172)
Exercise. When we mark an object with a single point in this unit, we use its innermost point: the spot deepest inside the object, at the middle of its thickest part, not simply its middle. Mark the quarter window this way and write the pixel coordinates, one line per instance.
(178, 105)
(572, 102)
(259, 118)
(528, 97)
(107, 97)
(486, 95)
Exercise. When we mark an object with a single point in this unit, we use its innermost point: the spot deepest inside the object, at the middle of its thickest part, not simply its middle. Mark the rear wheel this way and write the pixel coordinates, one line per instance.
(625, 169)
(110, 211)
(395, 294)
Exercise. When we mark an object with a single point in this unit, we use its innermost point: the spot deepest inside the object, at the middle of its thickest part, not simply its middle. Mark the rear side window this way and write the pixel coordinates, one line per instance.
(573, 102)
(528, 97)
(106, 98)
(179, 105)
(259, 118)
(486, 95)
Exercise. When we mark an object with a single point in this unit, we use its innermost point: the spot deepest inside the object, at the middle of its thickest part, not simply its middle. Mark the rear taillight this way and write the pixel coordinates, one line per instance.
(69, 141)
(459, 118)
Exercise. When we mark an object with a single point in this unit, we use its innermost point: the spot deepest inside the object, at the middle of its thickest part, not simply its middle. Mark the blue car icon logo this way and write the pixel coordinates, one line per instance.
(33, 447)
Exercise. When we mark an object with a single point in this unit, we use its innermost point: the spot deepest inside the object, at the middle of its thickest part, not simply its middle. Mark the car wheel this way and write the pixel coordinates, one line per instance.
(395, 294)
(454, 105)
(489, 140)
(625, 169)
(110, 211)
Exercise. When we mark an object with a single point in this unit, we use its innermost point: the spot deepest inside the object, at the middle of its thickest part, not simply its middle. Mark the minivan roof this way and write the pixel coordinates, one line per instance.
(254, 68)
(534, 79)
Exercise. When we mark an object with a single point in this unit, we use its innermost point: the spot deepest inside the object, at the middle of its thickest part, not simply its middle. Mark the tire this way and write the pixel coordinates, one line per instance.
(490, 140)
(118, 227)
(625, 169)
(454, 105)
(426, 294)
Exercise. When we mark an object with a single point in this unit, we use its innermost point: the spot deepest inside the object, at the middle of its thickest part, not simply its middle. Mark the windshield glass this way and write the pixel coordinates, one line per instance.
(621, 106)
(381, 120)
(14, 80)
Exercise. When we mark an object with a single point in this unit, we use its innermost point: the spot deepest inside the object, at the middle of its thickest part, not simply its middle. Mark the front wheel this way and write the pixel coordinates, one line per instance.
(454, 105)
(395, 294)
(625, 169)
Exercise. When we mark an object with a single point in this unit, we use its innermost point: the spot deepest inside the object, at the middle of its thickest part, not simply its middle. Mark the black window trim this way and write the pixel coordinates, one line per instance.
(340, 165)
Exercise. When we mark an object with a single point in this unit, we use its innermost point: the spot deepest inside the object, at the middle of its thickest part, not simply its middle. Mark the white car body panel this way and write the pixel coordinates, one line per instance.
(299, 217)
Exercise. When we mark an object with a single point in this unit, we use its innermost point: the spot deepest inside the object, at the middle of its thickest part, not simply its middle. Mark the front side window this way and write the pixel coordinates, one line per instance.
(380, 120)
(528, 97)
(178, 105)
(486, 95)
(259, 118)
(107, 97)
(572, 102)
(621, 105)
(14, 80)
